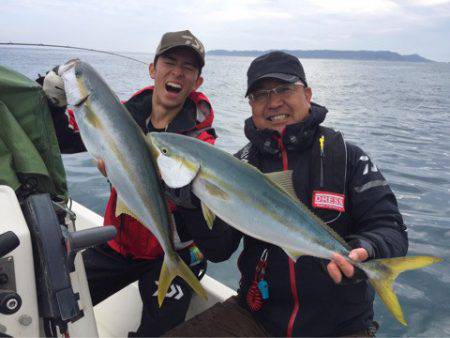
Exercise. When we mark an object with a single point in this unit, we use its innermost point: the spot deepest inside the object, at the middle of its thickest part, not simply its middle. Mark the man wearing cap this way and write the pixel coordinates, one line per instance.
(339, 183)
(171, 105)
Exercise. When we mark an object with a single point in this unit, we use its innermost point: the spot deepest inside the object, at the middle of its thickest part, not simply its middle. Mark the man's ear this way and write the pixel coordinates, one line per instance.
(308, 94)
(198, 82)
(152, 70)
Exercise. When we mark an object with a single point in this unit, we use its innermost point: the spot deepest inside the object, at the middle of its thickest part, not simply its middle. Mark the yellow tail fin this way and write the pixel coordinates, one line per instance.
(171, 269)
(395, 266)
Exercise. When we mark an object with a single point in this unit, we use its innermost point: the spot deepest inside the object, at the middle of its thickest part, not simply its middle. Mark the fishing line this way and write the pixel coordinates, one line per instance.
(71, 47)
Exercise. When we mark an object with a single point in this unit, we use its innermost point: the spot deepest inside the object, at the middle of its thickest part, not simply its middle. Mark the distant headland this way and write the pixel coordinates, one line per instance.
(382, 55)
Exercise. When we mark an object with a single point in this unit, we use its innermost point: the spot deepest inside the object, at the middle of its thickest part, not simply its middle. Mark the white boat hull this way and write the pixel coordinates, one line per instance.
(114, 317)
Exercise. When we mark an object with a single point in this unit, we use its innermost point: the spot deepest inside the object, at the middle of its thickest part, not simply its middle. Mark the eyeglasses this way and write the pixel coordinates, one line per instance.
(261, 96)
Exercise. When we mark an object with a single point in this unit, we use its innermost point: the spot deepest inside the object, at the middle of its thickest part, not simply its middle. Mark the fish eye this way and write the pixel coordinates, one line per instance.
(164, 151)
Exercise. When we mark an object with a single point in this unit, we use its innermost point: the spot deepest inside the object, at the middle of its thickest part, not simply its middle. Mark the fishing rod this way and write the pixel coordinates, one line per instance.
(71, 47)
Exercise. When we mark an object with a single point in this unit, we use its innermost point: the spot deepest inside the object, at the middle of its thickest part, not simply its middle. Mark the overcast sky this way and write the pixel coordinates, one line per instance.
(403, 26)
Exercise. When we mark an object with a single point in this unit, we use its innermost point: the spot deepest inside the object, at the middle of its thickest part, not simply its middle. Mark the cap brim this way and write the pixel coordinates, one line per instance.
(279, 76)
(196, 52)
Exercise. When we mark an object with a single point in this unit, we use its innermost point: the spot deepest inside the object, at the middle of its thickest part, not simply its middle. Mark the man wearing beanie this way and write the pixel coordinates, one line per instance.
(339, 183)
(171, 105)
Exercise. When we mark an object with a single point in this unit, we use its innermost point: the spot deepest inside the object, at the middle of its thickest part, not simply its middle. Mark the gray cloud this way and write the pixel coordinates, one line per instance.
(405, 26)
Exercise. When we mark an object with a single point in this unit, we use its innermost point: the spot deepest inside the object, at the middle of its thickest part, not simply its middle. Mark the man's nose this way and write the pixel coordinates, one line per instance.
(274, 100)
(177, 71)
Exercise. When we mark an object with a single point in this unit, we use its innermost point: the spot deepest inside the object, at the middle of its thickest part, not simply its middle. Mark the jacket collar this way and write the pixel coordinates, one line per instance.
(296, 136)
(184, 121)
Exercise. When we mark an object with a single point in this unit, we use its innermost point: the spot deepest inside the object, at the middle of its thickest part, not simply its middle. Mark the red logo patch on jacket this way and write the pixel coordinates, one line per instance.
(328, 200)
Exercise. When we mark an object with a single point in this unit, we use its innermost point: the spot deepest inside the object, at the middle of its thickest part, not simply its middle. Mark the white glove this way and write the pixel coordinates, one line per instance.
(54, 88)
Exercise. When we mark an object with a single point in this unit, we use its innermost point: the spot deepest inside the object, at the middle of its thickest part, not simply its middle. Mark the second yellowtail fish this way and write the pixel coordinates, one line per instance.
(252, 203)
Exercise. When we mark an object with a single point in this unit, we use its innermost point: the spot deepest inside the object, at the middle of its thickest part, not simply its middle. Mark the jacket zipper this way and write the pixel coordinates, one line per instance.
(283, 153)
(322, 155)
(292, 279)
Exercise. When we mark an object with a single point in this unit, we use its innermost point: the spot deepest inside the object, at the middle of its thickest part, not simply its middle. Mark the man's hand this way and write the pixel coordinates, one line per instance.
(53, 87)
(101, 167)
(339, 265)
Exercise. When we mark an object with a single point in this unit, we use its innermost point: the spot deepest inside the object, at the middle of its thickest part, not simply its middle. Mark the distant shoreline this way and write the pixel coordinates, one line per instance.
(367, 55)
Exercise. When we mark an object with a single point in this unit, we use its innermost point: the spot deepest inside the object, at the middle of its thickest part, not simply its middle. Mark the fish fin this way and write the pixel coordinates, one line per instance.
(284, 180)
(121, 208)
(208, 215)
(171, 269)
(215, 190)
(294, 255)
(394, 267)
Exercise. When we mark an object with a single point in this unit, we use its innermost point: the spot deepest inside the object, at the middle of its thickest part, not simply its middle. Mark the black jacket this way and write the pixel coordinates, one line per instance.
(303, 299)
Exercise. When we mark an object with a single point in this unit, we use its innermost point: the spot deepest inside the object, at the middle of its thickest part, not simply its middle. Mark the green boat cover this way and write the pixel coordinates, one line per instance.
(29, 151)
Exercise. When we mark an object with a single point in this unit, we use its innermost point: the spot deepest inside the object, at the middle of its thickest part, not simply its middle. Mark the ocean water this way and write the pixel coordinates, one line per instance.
(399, 113)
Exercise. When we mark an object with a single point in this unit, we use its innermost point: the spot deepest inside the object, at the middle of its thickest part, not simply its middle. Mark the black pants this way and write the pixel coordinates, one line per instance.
(227, 319)
(108, 272)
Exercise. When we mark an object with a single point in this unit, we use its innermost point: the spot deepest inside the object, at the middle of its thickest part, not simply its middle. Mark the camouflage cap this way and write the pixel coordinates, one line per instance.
(181, 39)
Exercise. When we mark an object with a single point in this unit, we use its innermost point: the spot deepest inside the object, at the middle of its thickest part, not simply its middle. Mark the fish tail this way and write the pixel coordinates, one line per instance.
(177, 267)
(395, 266)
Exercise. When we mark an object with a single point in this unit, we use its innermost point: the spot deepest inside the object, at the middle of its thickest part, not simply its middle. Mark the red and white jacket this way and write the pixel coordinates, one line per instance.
(195, 119)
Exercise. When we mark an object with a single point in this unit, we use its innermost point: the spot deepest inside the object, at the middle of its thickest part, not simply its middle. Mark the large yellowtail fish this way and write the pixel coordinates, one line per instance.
(254, 204)
(110, 133)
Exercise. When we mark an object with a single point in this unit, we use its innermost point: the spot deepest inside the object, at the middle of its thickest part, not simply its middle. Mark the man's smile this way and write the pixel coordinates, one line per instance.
(173, 87)
(278, 118)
